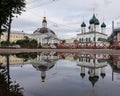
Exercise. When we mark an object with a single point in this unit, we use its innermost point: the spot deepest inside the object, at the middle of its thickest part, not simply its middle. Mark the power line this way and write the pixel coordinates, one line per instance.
(43, 3)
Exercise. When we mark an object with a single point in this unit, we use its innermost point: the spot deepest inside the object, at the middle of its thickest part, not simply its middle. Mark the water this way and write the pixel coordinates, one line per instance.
(59, 74)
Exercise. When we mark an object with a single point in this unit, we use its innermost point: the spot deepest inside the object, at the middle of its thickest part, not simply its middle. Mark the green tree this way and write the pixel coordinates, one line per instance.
(15, 7)
(3, 16)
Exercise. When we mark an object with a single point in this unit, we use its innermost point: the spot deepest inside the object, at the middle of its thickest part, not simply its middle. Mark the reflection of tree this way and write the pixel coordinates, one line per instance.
(8, 87)
(26, 56)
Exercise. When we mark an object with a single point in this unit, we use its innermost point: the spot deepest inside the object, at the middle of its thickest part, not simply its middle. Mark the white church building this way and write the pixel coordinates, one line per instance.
(93, 36)
(45, 35)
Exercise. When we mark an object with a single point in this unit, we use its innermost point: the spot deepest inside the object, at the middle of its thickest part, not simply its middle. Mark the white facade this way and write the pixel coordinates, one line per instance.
(45, 35)
(90, 37)
(93, 36)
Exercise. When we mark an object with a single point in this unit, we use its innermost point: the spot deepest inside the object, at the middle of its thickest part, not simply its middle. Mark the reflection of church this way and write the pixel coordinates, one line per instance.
(115, 63)
(94, 67)
(44, 62)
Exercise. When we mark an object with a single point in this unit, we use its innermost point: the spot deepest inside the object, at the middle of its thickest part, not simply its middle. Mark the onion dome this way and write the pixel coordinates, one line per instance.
(44, 20)
(83, 24)
(97, 22)
(103, 25)
(43, 78)
(94, 20)
(93, 80)
(102, 75)
(82, 75)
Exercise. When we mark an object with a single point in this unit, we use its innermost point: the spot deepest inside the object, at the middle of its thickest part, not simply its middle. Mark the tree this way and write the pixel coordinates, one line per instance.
(15, 7)
(3, 16)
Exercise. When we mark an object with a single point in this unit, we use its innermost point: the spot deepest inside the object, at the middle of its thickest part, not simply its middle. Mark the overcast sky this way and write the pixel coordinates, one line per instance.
(64, 17)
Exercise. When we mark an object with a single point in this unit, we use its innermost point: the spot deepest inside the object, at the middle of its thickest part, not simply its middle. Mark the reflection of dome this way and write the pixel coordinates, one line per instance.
(93, 80)
(43, 30)
(82, 75)
(44, 67)
(102, 75)
(43, 78)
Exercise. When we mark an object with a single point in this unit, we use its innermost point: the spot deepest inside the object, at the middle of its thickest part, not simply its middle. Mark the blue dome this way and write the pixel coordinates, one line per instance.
(103, 25)
(83, 24)
(94, 20)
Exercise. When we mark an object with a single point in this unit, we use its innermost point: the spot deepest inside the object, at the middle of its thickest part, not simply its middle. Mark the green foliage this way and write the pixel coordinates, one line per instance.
(9, 9)
(63, 41)
(8, 87)
(26, 43)
(3, 43)
(27, 56)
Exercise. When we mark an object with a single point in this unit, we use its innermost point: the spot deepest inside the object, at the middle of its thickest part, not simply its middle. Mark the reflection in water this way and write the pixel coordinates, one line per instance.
(94, 65)
(44, 62)
(8, 87)
(92, 68)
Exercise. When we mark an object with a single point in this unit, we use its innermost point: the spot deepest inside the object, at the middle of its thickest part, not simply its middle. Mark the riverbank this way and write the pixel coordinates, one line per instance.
(85, 51)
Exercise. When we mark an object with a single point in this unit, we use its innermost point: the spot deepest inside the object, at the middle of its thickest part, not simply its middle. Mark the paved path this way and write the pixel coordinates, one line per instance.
(84, 51)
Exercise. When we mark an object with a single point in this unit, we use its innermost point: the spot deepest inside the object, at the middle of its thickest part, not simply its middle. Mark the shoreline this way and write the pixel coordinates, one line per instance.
(83, 51)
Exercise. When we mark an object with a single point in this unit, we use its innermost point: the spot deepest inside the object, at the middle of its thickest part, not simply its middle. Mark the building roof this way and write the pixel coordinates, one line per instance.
(43, 30)
(94, 20)
(83, 24)
(92, 33)
(103, 25)
(117, 30)
(17, 32)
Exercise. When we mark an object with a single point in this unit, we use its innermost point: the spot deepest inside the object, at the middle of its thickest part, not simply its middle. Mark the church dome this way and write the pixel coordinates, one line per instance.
(82, 75)
(103, 25)
(44, 20)
(93, 80)
(97, 22)
(94, 20)
(83, 24)
(43, 30)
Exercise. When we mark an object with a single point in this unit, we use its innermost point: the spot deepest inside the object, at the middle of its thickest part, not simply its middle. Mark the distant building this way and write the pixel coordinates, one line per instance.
(70, 41)
(93, 36)
(93, 67)
(14, 36)
(45, 35)
(114, 38)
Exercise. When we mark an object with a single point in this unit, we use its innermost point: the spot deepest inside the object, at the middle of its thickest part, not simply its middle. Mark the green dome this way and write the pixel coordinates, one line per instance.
(94, 20)
(103, 25)
(83, 24)
(97, 22)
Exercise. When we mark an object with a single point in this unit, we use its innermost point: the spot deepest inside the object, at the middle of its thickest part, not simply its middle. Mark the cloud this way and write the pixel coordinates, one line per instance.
(66, 15)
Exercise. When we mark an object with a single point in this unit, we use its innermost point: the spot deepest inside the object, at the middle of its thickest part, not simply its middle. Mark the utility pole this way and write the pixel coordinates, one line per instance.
(113, 33)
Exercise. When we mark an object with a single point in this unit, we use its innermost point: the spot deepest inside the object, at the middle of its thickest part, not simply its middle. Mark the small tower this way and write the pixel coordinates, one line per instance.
(97, 25)
(103, 26)
(94, 23)
(102, 72)
(44, 22)
(82, 72)
(83, 27)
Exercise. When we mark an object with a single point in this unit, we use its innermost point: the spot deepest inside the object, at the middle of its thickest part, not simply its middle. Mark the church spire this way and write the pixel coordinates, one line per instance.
(44, 22)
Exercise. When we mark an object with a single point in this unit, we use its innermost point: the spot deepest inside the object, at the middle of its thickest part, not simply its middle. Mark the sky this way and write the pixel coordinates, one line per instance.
(64, 17)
